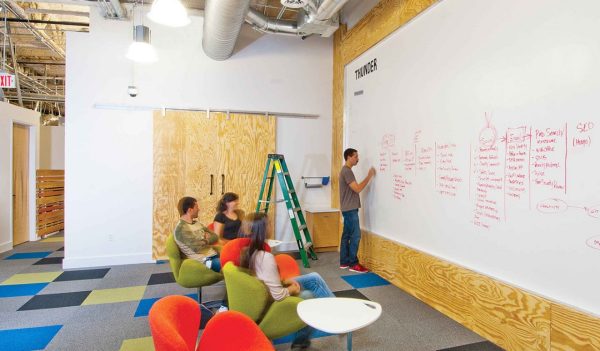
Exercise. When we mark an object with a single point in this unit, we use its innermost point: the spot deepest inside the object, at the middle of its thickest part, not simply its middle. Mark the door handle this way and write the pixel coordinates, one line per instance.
(211, 183)
(222, 184)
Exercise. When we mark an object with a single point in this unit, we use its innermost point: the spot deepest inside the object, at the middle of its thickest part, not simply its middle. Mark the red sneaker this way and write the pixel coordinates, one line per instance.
(344, 266)
(358, 269)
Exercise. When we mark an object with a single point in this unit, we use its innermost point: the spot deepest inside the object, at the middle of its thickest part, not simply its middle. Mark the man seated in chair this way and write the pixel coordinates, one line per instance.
(193, 238)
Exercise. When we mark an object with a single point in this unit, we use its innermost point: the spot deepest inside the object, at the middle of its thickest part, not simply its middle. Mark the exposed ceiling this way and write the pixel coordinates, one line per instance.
(36, 33)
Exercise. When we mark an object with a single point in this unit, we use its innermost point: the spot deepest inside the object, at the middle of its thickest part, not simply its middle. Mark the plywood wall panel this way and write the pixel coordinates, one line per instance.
(169, 185)
(573, 330)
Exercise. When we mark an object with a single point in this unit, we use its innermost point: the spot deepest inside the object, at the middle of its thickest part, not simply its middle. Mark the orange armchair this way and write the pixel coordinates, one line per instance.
(233, 331)
(288, 267)
(174, 322)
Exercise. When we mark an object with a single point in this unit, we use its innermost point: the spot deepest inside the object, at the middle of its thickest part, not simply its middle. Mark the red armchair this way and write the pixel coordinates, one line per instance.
(174, 322)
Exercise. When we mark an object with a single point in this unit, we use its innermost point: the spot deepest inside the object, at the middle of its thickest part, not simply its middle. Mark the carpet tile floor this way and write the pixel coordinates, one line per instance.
(43, 307)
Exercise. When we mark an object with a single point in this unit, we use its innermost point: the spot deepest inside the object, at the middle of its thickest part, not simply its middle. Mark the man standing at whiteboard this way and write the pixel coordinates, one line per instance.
(349, 205)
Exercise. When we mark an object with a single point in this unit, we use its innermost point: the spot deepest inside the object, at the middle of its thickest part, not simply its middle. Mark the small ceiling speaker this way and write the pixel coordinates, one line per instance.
(295, 4)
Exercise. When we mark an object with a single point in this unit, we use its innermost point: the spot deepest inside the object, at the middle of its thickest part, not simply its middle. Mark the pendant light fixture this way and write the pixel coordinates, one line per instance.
(140, 50)
(170, 13)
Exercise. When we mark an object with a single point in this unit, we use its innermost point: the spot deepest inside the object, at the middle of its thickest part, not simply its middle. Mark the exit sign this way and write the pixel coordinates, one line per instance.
(7, 80)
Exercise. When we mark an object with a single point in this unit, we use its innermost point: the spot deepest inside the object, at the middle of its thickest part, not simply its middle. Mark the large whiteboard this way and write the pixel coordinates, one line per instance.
(482, 119)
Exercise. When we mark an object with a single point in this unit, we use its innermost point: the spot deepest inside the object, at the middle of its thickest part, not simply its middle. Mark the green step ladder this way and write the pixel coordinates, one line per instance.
(276, 166)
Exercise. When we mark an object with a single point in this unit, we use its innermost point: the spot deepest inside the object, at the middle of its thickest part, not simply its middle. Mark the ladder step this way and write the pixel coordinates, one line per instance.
(286, 173)
(292, 191)
(271, 201)
(296, 209)
(302, 227)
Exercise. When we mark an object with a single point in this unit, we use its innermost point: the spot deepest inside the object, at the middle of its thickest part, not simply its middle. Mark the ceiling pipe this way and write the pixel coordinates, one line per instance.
(265, 25)
(317, 19)
(13, 7)
(223, 21)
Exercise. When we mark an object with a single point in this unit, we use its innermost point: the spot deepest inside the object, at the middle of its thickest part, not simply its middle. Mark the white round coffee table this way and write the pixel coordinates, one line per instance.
(338, 315)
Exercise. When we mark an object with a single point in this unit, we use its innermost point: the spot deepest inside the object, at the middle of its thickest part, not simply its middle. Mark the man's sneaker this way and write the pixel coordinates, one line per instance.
(358, 269)
(344, 266)
(222, 309)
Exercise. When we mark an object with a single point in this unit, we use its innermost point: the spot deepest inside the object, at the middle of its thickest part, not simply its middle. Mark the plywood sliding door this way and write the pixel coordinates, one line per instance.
(204, 157)
(184, 149)
(20, 184)
(247, 140)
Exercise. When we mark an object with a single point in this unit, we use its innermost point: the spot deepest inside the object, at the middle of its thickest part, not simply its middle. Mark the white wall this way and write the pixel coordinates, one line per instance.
(9, 115)
(52, 147)
(108, 156)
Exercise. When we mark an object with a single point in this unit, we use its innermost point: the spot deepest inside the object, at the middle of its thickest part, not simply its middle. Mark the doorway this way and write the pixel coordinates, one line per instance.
(20, 184)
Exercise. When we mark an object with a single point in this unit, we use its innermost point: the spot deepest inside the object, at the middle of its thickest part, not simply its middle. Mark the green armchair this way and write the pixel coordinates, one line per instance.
(250, 296)
(187, 272)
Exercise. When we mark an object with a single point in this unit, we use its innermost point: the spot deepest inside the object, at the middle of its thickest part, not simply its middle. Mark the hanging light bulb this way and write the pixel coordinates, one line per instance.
(170, 13)
(140, 50)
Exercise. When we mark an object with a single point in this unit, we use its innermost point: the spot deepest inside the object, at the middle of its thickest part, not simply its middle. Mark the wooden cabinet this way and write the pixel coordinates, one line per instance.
(324, 227)
(203, 157)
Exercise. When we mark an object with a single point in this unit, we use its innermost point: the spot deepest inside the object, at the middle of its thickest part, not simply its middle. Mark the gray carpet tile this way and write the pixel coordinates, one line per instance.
(109, 314)
(36, 318)
(50, 260)
(161, 278)
(42, 268)
(48, 301)
(479, 346)
(439, 332)
(82, 274)
(161, 290)
(96, 336)
(405, 324)
(70, 286)
(353, 294)
(12, 304)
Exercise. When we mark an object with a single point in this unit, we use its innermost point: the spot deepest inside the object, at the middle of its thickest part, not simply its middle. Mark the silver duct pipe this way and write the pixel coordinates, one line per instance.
(329, 8)
(263, 24)
(223, 21)
(315, 14)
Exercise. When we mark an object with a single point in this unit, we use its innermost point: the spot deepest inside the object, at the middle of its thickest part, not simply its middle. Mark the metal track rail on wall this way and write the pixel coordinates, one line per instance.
(208, 110)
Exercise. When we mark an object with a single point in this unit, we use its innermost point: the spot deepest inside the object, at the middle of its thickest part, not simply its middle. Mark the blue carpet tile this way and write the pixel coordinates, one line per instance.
(161, 261)
(478, 346)
(161, 278)
(365, 280)
(353, 293)
(82, 274)
(21, 289)
(27, 339)
(27, 255)
(49, 260)
(39, 302)
(144, 307)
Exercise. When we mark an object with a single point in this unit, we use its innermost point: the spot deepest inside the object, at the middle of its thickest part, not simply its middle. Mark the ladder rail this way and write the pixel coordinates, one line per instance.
(276, 168)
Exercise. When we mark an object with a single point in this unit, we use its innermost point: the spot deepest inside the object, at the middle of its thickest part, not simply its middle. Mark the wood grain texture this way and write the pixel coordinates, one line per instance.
(189, 148)
(573, 330)
(49, 201)
(169, 168)
(20, 184)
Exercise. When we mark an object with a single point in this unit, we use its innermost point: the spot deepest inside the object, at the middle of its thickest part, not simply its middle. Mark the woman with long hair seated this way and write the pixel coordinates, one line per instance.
(262, 264)
(228, 219)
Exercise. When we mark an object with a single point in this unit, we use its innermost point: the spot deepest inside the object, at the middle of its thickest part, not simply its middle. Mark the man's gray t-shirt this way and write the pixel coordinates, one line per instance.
(349, 199)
